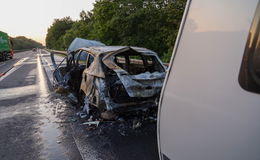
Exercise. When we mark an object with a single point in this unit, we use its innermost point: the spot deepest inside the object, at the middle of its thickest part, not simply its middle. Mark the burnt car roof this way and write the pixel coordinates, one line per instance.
(108, 49)
(80, 43)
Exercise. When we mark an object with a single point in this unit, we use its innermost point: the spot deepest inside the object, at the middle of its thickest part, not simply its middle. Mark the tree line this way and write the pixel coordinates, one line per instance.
(151, 24)
(22, 42)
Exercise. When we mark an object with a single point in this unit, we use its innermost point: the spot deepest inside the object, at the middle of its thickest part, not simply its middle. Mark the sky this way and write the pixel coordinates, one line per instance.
(31, 18)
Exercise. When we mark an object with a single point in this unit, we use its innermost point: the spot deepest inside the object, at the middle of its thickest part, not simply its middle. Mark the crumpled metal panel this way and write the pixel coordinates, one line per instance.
(142, 85)
(95, 69)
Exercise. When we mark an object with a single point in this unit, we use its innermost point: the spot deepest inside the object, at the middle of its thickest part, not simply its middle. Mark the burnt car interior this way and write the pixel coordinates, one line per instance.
(135, 63)
(71, 72)
(77, 63)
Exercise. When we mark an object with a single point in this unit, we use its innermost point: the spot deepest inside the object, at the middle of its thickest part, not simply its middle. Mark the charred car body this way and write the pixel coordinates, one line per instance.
(113, 78)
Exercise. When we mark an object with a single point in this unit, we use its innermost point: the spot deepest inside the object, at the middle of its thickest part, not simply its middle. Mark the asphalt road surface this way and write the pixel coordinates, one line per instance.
(7, 65)
(29, 128)
(37, 123)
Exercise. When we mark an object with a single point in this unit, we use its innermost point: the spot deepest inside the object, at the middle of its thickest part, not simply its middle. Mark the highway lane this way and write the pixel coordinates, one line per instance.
(29, 122)
(7, 65)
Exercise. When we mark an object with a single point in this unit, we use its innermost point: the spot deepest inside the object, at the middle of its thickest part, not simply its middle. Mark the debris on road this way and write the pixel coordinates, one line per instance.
(115, 136)
(73, 119)
(136, 124)
(109, 115)
(82, 115)
(120, 119)
(61, 90)
(124, 124)
(96, 123)
(73, 99)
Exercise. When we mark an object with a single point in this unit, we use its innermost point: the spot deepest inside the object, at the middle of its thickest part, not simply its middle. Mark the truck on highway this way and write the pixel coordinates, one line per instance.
(210, 103)
(6, 47)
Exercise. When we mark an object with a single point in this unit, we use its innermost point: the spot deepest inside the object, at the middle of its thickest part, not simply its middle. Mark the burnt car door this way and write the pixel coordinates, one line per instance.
(76, 72)
(61, 63)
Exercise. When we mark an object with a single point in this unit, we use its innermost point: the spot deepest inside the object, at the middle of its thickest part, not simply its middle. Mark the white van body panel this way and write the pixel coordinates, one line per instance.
(204, 113)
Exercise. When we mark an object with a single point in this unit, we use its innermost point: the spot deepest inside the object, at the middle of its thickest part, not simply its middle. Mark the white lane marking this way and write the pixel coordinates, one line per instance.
(21, 61)
(29, 63)
(12, 93)
(16, 67)
(48, 67)
(44, 89)
(9, 72)
(2, 63)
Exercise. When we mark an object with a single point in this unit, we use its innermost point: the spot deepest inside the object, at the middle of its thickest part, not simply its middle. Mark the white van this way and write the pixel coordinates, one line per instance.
(210, 103)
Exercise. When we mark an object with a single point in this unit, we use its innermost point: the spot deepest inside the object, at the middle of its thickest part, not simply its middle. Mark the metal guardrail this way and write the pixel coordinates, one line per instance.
(56, 51)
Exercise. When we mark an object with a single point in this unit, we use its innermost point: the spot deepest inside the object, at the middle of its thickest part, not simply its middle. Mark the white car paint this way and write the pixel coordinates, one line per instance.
(204, 113)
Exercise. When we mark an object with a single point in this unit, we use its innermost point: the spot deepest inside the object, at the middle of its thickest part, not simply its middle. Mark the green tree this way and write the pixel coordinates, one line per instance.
(22, 42)
(57, 30)
(80, 28)
(151, 24)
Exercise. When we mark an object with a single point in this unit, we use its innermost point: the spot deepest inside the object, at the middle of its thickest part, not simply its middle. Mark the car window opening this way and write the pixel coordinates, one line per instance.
(136, 63)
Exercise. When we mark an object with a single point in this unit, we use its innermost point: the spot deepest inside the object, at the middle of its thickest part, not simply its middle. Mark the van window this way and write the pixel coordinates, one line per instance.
(249, 77)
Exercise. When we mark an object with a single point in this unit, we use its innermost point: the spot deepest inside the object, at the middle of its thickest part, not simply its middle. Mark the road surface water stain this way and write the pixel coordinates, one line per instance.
(50, 132)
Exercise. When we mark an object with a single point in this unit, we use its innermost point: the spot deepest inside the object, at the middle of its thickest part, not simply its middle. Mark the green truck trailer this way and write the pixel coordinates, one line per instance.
(6, 47)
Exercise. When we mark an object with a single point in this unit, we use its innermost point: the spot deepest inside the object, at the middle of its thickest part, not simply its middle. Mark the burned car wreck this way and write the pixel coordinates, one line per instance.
(112, 78)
